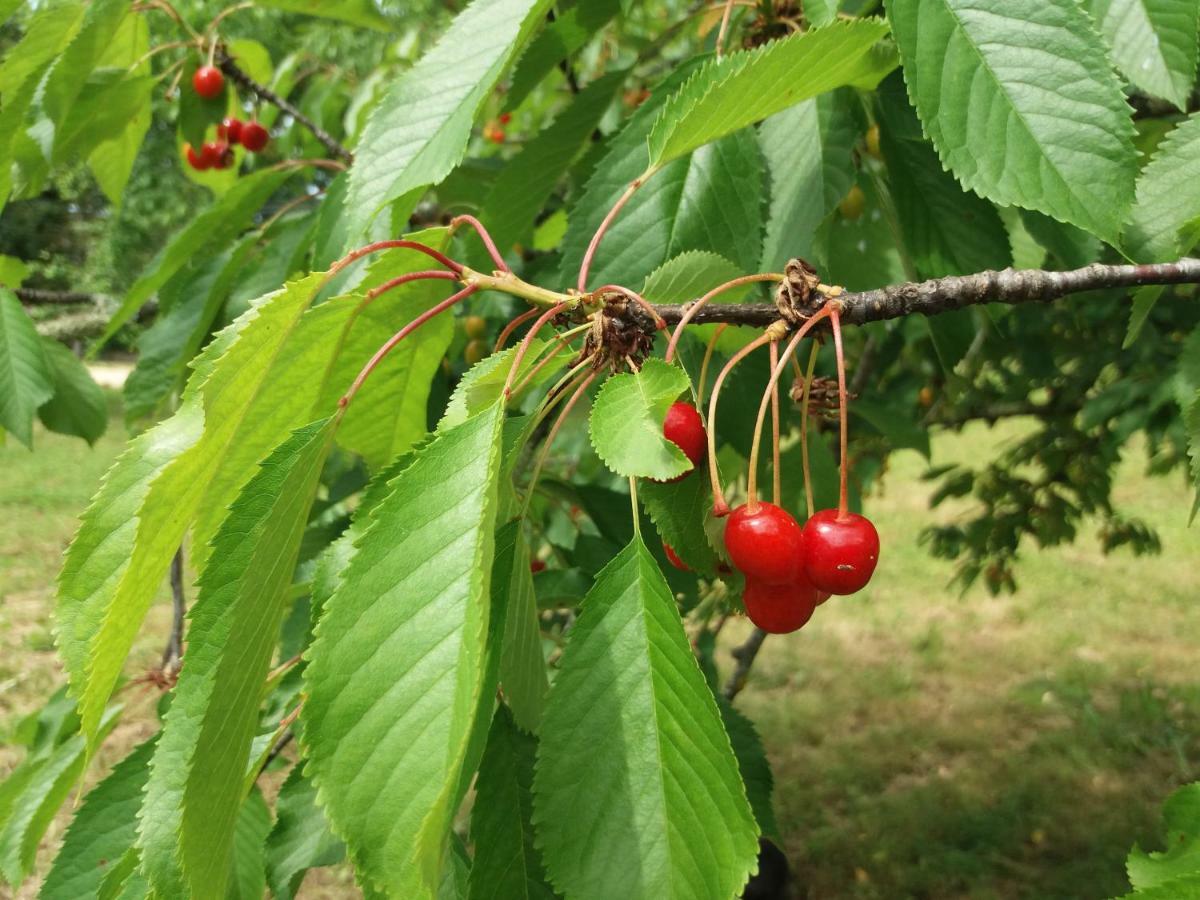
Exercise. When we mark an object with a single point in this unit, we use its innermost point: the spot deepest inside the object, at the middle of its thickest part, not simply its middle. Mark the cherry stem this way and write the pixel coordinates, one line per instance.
(724, 26)
(584, 266)
(637, 519)
(720, 507)
(355, 255)
(527, 341)
(659, 322)
(395, 339)
(776, 372)
(564, 341)
(776, 486)
(544, 453)
(406, 278)
(484, 236)
(708, 353)
(808, 377)
(699, 305)
(513, 326)
(843, 412)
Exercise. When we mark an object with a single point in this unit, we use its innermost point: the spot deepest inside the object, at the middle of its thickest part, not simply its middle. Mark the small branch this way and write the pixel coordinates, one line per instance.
(226, 64)
(42, 297)
(173, 652)
(745, 655)
(957, 292)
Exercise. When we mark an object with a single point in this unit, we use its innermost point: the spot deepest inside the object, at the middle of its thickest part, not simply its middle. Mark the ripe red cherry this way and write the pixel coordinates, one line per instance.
(537, 565)
(840, 554)
(208, 81)
(780, 608)
(505, 118)
(673, 558)
(253, 136)
(213, 154)
(230, 130)
(197, 160)
(765, 543)
(684, 428)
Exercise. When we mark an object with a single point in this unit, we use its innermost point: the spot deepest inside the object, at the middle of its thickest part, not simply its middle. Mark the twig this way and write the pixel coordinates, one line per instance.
(42, 297)
(226, 64)
(744, 655)
(173, 652)
(957, 292)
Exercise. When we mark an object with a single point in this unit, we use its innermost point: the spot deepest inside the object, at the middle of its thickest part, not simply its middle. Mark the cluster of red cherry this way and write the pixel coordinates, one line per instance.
(494, 131)
(790, 570)
(208, 82)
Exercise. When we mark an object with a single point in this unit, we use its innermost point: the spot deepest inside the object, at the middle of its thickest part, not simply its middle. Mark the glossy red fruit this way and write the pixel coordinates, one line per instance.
(197, 160)
(840, 554)
(230, 130)
(505, 118)
(495, 135)
(536, 565)
(766, 543)
(684, 428)
(780, 608)
(208, 81)
(253, 136)
(213, 153)
(673, 557)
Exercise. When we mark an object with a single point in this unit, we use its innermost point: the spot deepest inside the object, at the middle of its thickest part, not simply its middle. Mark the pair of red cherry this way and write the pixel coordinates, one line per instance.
(494, 132)
(791, 570)
(218, 154)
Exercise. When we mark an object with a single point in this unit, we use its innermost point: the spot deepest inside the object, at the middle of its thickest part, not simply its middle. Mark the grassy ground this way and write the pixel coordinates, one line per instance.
(925, 745)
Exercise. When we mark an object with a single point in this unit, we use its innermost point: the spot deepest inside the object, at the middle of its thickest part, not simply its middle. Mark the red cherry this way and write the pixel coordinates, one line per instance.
(208, 81)
(505, 118)
(684, 428)
(495, 135)
(197, 161)
(253, 136)
(212, 152)
(780, 608)
(226, 158)
(840, 554)
(765, 543)
(230, 130)
(536, 565)
(673, 557)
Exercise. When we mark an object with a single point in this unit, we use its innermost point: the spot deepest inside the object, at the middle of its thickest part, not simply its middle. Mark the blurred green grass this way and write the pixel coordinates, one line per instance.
(925, 745)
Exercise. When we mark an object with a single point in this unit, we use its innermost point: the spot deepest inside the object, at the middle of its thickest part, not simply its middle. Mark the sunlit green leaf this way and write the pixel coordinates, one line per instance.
(626, 424)
(26, 378)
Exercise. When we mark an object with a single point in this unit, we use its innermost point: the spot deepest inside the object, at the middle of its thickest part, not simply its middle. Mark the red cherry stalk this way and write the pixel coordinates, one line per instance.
(355, 255)
(699, 304)
(564, 341)
(513, 326)
(544, 453)
(808, 377)
(776, 371)
(396, 338)
(584, 266)
(483, 236)
(776, 486)
(720, 507)
(527, 341)
(843, 413)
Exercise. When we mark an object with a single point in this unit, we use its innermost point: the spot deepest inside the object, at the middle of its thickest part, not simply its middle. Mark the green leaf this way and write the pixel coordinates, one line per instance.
(809, 152)
(197, 114)
(1153, 43)
(522, 671)
(663, 813)
(203, 236)
(51, 28)
(1186, 887)
(753, 766)
(363, 13)
(967, 66)
(626, 424)
(680, 510)
(101, 831)
(527, 180)
(249, 879)
(78, 406)
(12, 271)
(1181, 820)
(419, 132)
(396, 664)
(1191, 422)
(1168, 196)
(26, 379)
(689, 276)
(301, 839)
(569, 33)
(507, 865)
(1073, 248)
(195, 787)
(821, 12)
(946, 230)
(483, 383)
(112, 160)
(728, 94)
(101, 23)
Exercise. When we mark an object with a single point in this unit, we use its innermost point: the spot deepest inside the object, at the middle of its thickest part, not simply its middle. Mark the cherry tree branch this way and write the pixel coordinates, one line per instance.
(43, 297)
(958, 291)
(745, 656)
(226, 64)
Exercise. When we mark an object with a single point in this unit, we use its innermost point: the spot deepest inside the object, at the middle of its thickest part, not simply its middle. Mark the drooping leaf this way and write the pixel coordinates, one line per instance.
(522, 668)
(26, 379)
(728, 94)
(78, 406)
(1154, 42)
(527, 180)
(626, 424)
(195, 789)
(967, 67)
(202, 236)
(101, 831)
(248, 879)
(507, 865)
(663, 813)
(809, 153)
(112, 160)
(101, 23)
(680, 510)
(753, 766)
(1181, 821)
(364, 13)
(301, 839)
(395, 667)
(419, 132)
(567, 34)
